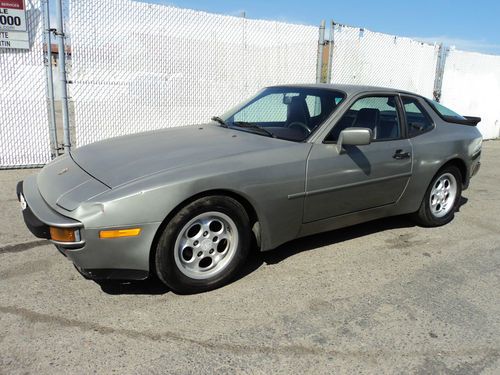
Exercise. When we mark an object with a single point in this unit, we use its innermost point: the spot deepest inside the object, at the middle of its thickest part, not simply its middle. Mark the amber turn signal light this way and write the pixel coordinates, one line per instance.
(118, 233)
(63, 234)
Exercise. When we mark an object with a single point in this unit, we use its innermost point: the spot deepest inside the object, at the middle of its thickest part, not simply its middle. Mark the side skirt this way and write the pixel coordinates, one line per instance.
(332, 223)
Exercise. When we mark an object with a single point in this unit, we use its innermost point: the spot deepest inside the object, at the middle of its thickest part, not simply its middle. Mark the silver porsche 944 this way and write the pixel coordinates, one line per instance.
(187, 204)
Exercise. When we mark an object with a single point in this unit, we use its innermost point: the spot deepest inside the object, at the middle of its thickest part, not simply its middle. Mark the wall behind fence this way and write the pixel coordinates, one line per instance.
(24, 129)
(138, 66)
(364, 57)
(471, 86)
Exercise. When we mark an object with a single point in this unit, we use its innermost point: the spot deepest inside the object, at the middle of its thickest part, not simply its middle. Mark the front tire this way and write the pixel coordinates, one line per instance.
(204, 245)
(441, 199)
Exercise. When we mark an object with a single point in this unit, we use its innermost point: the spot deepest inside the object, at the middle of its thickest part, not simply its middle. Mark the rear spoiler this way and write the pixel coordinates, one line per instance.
(467, 120)
(473, 121)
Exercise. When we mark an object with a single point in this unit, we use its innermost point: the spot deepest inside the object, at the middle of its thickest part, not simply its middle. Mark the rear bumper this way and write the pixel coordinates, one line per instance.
(475, 168)
(475, 165)
(94, 257)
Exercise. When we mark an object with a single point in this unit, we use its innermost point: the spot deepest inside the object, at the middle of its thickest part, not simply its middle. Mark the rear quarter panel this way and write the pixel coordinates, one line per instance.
(431, 151)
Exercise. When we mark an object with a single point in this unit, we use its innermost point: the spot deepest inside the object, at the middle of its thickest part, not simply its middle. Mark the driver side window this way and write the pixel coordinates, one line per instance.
(378, 113)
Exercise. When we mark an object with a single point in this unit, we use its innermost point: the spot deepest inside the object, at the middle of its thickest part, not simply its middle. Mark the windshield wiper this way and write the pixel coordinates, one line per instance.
(249, 125)
(220, 121)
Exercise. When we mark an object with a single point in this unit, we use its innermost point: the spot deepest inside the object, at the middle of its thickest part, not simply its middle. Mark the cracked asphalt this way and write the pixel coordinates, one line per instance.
(381, 297)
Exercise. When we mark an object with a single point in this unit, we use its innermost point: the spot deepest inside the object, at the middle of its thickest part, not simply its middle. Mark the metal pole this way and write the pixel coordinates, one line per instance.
(331, 45)
(438, 78)
(50, 82)
(321, 43)
(62, 77)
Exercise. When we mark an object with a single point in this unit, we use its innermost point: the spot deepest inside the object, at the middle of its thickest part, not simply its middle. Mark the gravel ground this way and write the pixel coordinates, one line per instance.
(381, 297)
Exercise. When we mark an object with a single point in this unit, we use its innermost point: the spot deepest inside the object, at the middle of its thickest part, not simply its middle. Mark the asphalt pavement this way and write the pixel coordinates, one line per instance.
(381, 297)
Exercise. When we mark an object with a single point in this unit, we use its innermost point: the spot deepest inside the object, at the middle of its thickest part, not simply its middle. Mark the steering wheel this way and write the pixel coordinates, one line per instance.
(300, 125)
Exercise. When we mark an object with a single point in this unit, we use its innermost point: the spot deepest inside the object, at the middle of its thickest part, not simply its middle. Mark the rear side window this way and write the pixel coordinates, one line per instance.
(445, 112)
(417, 120)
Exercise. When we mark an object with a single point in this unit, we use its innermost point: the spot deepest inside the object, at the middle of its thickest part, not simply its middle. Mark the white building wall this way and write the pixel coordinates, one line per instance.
(471, 87)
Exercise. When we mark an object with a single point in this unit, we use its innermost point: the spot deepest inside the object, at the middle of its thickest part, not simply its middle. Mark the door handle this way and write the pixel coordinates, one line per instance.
(399, 154)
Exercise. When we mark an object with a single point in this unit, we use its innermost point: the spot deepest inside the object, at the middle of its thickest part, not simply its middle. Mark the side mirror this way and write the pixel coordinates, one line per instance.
(354, 137)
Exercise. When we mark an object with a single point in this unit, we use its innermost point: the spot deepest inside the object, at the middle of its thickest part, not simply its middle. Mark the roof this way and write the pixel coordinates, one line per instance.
(348, 89)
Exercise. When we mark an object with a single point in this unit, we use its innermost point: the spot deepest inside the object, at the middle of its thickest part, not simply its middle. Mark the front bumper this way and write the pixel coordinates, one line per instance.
(38, 216)
(95, 258)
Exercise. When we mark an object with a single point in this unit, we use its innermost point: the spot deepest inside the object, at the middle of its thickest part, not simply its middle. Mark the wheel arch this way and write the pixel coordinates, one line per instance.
(249, 208)
(420, 215)
(460, 164)
(457, 162)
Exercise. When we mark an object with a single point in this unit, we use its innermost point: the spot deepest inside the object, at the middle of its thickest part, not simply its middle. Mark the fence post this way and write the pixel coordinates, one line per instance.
(331, 45)
(438, 78)
(54, 147)
(321, 44)
(62, 77)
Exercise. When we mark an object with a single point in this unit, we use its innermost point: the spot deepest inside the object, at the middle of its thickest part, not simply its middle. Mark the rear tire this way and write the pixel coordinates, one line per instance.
(204, 245)
(441, 199)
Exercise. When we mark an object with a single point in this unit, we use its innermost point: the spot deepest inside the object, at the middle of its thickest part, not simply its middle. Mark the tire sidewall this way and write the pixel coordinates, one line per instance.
(166, 267)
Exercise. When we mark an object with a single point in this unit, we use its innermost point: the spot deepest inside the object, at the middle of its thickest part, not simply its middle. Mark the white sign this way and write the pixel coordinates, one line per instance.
(13, 29)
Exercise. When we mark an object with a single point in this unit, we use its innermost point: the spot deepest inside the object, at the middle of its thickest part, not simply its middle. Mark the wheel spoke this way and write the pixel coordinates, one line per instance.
(205, 227)
(184, 242)
(433, 200)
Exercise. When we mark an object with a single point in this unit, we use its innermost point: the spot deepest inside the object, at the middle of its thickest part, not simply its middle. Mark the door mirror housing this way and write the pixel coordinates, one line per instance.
(354, 137)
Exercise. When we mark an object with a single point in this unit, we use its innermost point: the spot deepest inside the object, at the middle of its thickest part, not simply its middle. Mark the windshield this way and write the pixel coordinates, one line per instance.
(291, 113)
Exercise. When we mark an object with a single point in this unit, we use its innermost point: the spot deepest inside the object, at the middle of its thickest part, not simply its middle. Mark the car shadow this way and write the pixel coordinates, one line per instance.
(463, 201)
(275, 256)
(150, 286)
(256, 259)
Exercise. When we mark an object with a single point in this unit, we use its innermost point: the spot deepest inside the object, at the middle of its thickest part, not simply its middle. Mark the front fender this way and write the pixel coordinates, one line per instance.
(265, 186)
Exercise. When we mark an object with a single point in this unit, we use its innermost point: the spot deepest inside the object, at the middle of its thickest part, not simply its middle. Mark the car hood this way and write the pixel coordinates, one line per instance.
(121, 160)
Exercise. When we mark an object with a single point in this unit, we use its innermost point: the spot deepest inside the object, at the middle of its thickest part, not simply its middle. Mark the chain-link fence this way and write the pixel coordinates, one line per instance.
(136, 66)
(24, 130)
(150, 66)
(364, 57)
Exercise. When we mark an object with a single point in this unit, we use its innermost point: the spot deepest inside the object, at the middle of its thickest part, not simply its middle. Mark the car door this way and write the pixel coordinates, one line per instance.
(360, 177)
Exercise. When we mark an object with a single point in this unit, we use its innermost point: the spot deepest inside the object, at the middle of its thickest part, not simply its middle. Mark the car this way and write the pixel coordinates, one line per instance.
(187, 204)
